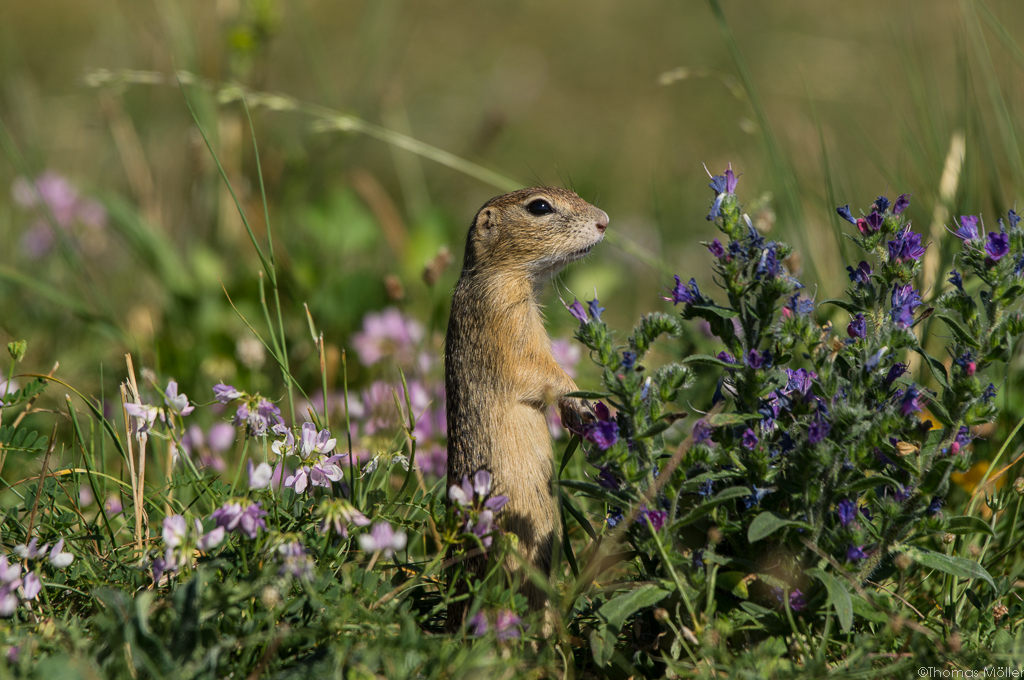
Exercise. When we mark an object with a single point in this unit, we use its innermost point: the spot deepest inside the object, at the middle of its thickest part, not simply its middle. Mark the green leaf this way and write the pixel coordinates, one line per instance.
(584, 394)
(709, 505)
(734, 582)
(838, 597)
(938, 370)
(595, 491)
(602, 645)
(867, 483)
(616, 610)
(709, 360)
(936, 476)
(570, 449)
(949, 564)
(975, 600)
(580, 518)
(843, 304)
(967, 525)
(961, 333)
(656, 428)
(863, 609)
(730, 419)
(767, 523)
(722, 312)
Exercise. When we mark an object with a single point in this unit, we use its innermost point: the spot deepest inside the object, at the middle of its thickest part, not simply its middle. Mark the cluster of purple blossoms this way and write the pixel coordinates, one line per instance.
(179, 543)
(861, 275)
(318, 469)
(383, 539)
(858, 327)
(258, 414)
(241, 516)
(391, 334)
(338, 514)
(847, 512)
(13, 585)
(906, 247)
(686, 293)
(64, 204)
(145, 415)
(602, 431)
(796, 598)
(295, 560)
(580, 314)
(870, 224)
(476, 507)
(657, 518)
(507, 625)
(723, 185)
(904, 301)
(855, 553)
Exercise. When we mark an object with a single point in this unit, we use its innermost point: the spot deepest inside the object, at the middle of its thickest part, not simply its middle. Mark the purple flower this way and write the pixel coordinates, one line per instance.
(800, 381)
(799, 305)
(796, 601)
(726, 357)
(895, 372)
(957, 280)
(855, 553)
(383, 538)
(870, 224)
(844, 212)
(847, 511)
(881, 204)
(478, 625)
(701, 431)
(1013, 217)
(144, 416)
(177, 402)
(174, 531)
(209, 540)
(225, 393)
(603, 431)
(243, 519)
(313, 442)
(769, 264)
(657, 517)
(576, 309)
(507, 625)
(724, 184)
(687, 294)
(260, 475)
(963, 438)
(968, 230)
(31, 585)
(935, 507)
(32, 550)
(338, 514)
(907, 247)
(606, 478)
(295, 561)
(909, 404)
(716, 248)
(749, 439)
(9, 572)
(388, 334)
(818, 430)
(860, 275)
(904, 301)
(614, 516)
(758, 360)
(858, 328)
(902, 203)
(628, 360)
(595, 309)
(989, 394)
(998, 245)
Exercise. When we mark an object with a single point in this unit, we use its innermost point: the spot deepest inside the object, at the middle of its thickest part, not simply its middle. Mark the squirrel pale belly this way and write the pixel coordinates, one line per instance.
(500, 375)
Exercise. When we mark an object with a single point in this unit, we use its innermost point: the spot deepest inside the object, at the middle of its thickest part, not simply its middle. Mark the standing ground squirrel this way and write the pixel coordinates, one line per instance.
(500, 375)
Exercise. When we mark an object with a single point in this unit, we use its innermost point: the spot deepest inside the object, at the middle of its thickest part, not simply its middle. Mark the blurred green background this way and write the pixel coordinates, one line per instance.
(815, 103)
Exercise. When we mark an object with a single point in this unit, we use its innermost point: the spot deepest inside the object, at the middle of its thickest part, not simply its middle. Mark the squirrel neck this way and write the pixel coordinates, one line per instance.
(508, 298)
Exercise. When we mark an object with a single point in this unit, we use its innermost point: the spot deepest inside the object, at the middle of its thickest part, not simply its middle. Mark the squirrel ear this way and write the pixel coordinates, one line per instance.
(484, 219)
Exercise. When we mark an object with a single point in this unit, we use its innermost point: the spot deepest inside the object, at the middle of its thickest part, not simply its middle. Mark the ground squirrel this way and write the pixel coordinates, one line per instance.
(500, 375)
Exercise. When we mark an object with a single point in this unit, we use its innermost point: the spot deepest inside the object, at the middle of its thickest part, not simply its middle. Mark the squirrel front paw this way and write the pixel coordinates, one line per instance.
(575, 413)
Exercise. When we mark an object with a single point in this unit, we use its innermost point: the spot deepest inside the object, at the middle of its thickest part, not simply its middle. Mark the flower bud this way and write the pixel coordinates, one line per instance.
(17, 349)
(1018, 485)
(948, 538)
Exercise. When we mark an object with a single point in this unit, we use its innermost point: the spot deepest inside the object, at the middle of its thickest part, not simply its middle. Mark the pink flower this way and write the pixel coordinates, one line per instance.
(388, 334)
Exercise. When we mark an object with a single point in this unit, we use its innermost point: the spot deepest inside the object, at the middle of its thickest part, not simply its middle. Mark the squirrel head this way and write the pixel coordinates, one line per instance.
(533, 232)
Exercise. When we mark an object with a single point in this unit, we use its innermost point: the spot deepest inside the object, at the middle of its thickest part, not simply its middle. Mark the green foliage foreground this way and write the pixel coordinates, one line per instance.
(805, 524)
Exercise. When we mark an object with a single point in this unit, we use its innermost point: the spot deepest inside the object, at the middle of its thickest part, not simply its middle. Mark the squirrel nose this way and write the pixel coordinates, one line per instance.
(602, 221)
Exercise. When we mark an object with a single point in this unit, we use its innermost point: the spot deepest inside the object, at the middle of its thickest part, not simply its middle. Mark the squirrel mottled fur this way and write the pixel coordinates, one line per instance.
(500, 374)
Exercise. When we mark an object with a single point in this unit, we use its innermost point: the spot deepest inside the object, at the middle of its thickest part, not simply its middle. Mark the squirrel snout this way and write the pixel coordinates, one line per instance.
(602, 221)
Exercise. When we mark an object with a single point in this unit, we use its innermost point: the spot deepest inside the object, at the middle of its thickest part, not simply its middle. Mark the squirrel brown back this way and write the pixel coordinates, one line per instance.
(500, 375)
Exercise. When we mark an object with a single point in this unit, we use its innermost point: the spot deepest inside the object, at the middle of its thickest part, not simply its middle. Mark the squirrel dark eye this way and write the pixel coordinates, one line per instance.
(540, 207)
